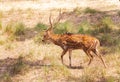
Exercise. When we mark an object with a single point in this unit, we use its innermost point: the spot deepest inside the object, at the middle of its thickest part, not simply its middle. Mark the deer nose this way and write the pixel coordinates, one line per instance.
(43, 40)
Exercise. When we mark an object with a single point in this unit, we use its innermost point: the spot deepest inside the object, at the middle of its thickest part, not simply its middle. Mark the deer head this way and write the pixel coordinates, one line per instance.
(49, 32)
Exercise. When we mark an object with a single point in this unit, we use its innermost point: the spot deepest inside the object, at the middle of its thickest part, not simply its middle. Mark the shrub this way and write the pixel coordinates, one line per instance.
(103, 29)
(77, 11)
(38, 38)
(108, 21)
(106, 39)
(84, 28)
(64, 27)
(19, 29)
(40, 27)
(6, 78)
(9, 28)
(91, 11)
(104, 26)
(15, 29)
(81, 30)
(118, 13)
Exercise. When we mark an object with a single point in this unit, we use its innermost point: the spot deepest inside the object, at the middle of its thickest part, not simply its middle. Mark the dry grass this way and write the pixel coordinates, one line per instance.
(47, 66)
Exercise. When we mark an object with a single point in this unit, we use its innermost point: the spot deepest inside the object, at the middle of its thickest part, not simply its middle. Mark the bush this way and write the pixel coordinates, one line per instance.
(6, 78)
(91, 11)
(38, 38)
(9, 28)
(15, 29)
(106, 25)
(64, 28)
(81, 30)
(40, 27)
(77, 11)
(106, 39)
(108, 21)
(84, 28)
(118, 13)
(109, 40)
(19, 29)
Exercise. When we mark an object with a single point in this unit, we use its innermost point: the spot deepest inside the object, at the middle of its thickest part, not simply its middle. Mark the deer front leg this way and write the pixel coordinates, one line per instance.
(70, 51)
(63, 53)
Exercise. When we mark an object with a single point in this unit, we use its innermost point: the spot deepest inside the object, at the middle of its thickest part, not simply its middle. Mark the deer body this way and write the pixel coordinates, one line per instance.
(69, 42)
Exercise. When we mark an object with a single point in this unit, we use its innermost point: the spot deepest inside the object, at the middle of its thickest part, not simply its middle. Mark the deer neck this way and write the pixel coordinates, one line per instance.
(53, 37)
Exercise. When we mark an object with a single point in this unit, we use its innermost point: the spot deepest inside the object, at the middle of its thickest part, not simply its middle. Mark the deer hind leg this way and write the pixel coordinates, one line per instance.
(91, 58)
(70, 52)
(100, 56)
(89, 55)
(63, 53)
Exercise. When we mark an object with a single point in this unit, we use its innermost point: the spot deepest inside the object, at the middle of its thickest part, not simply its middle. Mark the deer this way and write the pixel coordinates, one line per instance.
(71, 41)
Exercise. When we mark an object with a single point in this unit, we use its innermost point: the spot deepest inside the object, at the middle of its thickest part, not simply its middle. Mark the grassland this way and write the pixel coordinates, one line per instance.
(25, 58)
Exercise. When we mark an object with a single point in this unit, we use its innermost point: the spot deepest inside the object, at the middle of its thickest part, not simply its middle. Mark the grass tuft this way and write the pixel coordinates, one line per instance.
(5, 78)
(118, 13)
(64, 28)
(40, 27)
(91, 11)
(19, 29)
(77, 11)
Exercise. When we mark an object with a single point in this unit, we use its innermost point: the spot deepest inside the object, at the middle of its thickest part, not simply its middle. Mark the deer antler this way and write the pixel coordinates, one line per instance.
(50, 22)
(57, 20)
(59, 17)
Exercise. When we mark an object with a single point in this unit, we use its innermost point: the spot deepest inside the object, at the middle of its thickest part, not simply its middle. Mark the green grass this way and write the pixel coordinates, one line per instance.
(64, 27)
(40, 27)
(91, 11)
(15, 28)
(84, 27)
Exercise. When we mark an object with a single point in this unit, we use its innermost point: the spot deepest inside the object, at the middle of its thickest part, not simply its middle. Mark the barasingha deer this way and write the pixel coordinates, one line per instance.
(69, 42)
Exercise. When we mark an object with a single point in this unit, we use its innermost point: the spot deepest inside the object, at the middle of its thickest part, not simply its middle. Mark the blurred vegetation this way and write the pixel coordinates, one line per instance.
(77, 11)
(119, 12)
(19, 29)
(105, 29)
(64, 27)
(91, 11)
(19, 67)
(40, 27)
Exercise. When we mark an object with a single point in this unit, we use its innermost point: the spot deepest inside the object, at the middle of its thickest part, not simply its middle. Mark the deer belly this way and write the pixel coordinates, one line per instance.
(75, 46)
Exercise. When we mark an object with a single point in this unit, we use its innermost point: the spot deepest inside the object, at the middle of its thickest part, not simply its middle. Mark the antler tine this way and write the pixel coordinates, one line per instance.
(58, 18)
(50, 21)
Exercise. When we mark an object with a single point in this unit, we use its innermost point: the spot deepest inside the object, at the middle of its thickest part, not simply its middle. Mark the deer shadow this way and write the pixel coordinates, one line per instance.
(8, 63)
(75, 67)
